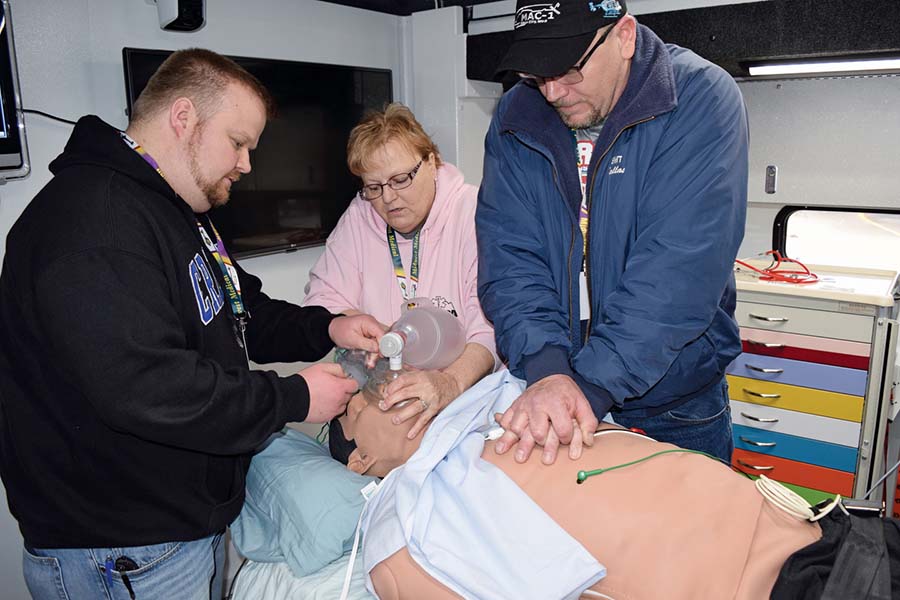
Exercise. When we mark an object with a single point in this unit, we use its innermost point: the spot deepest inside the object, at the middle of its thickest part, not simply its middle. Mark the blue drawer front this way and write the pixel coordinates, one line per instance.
(803, 374)
(814, 452)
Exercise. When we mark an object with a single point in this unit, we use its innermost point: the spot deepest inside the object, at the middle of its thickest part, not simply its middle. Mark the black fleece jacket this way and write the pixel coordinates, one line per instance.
(128, 414)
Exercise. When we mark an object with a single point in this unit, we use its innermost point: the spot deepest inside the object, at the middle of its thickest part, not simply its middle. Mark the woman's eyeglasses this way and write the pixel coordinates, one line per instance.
(374, 191)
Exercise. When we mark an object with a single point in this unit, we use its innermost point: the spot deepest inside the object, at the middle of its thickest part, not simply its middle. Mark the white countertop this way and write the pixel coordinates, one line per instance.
(844, 284)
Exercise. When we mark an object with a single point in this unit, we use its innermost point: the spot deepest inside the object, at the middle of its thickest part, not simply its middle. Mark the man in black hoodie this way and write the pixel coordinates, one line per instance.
(128, 411)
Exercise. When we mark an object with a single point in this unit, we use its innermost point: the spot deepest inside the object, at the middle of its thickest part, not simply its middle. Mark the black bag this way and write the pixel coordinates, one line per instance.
(858, 558)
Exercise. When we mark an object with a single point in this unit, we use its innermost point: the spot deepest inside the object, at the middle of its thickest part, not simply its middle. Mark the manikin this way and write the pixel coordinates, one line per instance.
(677, 526)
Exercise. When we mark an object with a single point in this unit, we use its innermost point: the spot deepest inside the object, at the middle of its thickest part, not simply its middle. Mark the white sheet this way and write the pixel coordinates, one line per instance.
(274, 581)
(461, 517)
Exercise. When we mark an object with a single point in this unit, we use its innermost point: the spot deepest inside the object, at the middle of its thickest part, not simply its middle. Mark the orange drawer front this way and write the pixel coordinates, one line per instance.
(792, 471)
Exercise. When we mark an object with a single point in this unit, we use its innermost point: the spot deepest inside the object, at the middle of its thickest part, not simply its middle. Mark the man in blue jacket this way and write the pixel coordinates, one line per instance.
(609, 216)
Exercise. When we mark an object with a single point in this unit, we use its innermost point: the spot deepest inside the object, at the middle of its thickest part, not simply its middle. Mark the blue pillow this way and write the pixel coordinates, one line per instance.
(302, 506)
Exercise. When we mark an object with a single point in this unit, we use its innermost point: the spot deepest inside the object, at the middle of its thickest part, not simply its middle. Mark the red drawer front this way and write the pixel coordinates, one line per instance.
(792, 471)
(805, 354)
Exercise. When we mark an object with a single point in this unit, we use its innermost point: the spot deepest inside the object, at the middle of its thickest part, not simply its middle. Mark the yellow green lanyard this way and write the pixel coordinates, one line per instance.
(229, 273)
(399, 273)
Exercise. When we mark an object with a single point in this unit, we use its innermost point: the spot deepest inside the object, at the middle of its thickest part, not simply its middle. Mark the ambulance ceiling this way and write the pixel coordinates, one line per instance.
(405, 7)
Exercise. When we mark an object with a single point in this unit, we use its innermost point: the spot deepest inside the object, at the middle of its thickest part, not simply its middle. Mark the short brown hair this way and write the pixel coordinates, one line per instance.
(200, 75)
(377, 128)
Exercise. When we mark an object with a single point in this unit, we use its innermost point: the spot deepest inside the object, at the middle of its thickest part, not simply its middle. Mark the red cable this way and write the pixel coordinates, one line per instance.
(775, 272)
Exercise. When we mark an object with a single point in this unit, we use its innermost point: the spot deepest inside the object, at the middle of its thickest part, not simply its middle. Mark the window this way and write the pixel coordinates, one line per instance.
(843, 237)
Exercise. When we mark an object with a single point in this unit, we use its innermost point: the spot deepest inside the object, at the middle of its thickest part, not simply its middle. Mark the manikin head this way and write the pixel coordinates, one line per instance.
(199, 117)
(367, 440)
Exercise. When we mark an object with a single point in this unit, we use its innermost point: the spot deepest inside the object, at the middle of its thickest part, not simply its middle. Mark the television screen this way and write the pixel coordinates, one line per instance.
(13, 150)
(300, 184)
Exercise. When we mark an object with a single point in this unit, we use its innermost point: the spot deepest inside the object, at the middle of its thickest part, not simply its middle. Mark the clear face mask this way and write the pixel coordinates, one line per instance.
(371, 379)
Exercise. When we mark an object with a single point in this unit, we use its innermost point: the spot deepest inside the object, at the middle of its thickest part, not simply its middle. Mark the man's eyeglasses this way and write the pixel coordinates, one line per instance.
(374, 191)
(573, 75)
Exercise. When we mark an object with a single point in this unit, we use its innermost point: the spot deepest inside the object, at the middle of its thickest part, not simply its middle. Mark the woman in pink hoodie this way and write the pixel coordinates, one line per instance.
(410, 232)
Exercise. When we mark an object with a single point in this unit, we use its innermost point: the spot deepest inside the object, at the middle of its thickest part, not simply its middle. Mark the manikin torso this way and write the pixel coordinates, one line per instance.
(678, 526)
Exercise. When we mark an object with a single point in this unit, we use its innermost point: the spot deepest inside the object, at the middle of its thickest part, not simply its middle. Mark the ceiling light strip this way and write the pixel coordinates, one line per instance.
(878, 64)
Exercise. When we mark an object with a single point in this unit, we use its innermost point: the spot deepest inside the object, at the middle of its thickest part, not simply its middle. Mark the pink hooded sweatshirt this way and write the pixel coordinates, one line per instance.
(356, 270)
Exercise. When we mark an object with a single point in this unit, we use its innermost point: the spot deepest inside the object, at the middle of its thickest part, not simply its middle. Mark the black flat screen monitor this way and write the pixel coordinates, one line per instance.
(13, 150)
(299, 185)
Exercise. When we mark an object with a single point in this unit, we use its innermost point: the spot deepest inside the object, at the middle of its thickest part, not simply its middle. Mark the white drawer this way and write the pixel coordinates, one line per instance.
(836, 431)
(843, 326)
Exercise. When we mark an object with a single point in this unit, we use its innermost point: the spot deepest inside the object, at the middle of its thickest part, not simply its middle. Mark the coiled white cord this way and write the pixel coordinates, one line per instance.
(792, 503)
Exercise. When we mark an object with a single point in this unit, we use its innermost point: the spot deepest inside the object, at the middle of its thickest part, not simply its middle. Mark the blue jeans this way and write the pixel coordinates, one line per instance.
(702, 423)
(170, 571)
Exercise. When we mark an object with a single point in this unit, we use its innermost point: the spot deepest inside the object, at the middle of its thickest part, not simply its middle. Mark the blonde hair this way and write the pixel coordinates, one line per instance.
(395, 123)
(200, 75)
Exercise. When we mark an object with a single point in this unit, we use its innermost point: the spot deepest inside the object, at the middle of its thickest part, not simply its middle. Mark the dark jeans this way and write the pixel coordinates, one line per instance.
(702, 423)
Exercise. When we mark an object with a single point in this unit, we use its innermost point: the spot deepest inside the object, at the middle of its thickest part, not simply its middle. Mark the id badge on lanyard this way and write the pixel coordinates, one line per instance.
(232, 283)
(584, 148)
(399, 272)
(584, 301)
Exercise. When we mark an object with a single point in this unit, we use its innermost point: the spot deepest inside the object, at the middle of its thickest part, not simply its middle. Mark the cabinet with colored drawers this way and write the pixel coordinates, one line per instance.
(811, 392)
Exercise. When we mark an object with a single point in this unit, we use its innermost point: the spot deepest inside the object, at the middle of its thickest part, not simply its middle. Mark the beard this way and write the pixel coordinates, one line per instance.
(593, 118)
(216, 192)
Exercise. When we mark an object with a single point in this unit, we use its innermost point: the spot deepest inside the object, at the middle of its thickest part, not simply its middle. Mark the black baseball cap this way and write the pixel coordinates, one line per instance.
(550, 37)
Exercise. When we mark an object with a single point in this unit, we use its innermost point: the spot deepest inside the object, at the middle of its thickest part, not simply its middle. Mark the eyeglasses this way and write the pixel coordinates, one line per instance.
(374, 191)
(573, 75)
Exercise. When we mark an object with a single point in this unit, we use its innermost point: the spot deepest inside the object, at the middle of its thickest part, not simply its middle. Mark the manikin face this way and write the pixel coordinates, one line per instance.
(405, 210)
(219, 147)
(586, 103)
(380, 444)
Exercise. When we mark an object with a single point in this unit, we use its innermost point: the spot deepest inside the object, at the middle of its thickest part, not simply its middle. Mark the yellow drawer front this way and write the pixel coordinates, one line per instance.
(792, 397)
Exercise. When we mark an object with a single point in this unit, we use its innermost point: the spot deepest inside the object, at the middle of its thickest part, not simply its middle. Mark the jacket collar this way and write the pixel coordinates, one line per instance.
(650, 91)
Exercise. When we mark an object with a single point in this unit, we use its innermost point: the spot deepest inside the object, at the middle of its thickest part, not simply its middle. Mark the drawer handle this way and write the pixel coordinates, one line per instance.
(759, 444)
(762, 369)
(765, 344)
(758, 419)
(760, 395)
(754, 467)
(769, 319)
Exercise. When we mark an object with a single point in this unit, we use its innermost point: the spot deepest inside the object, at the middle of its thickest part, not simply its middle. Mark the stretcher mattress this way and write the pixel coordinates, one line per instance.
(274, 581)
